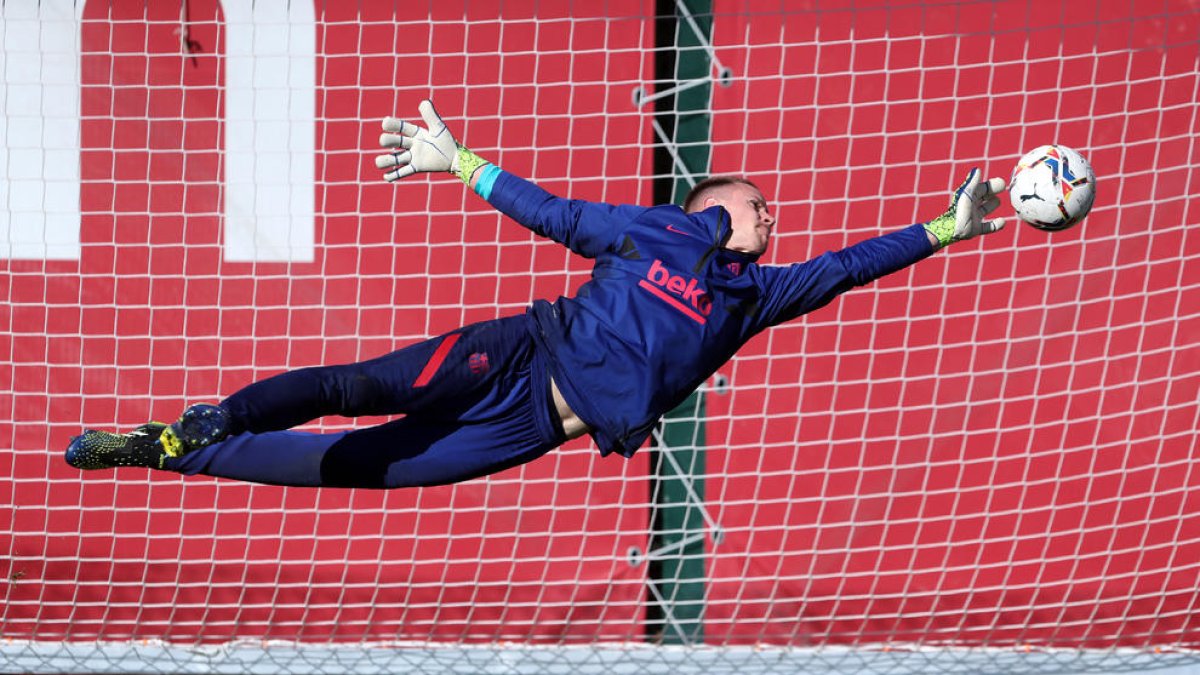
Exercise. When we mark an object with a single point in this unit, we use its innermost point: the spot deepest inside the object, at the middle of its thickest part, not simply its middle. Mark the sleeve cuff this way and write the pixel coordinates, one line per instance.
(486, 180)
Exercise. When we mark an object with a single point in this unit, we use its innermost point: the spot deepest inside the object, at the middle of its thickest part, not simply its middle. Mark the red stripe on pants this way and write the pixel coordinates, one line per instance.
(435, 361)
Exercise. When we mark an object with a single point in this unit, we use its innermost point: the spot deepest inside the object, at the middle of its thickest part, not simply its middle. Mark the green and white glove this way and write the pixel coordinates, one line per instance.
(970, 203)
(424, 149)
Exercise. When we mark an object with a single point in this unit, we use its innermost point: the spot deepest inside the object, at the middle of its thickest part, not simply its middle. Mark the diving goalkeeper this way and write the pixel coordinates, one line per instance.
(674, 293)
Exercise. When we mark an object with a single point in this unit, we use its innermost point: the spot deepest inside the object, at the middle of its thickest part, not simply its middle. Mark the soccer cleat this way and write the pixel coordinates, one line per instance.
(199, 426)
(105, 450)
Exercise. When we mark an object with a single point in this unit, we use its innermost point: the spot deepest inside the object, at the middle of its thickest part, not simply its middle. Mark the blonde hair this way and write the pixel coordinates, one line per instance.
(709, 184)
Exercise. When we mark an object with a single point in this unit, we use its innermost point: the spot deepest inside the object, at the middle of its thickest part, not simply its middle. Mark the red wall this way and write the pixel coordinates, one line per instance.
(996, 446)
(151, 318)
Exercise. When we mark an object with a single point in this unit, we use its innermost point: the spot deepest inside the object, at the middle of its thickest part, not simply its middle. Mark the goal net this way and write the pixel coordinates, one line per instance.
(981, 464)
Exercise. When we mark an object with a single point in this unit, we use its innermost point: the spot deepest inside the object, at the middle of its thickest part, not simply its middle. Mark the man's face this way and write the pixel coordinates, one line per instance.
(751, 219)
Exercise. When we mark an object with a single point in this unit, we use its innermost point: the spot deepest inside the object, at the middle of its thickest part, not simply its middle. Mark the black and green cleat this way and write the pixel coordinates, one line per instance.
(199, 426)
(105, 450)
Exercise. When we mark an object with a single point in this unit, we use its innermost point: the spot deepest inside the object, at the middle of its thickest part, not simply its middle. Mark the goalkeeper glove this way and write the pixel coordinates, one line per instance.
(968, 205)
(432, 148)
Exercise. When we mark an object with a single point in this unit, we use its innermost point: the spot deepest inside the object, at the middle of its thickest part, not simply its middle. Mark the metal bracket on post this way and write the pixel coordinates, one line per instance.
(693, 499)
(721, 74)
(717, 72)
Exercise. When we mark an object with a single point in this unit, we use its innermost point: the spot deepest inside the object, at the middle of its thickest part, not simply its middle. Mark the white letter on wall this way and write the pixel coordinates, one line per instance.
(269, 131)
(270, 144)
(39, 129)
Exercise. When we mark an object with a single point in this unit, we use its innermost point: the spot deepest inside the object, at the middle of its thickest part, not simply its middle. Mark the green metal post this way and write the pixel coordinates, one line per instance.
(677, 556)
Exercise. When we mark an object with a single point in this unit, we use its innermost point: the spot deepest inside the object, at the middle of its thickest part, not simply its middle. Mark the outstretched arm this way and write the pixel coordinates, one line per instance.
(586, 228)
(803, 287)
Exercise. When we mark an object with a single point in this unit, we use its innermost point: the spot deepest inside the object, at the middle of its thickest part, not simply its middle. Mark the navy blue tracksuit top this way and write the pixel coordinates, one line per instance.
(667, 305)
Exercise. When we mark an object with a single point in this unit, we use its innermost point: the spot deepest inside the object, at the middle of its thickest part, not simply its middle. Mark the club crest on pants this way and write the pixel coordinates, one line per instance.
(478, 362)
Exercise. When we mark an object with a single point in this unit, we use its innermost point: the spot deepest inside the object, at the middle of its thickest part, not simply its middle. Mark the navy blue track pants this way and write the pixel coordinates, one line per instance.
(476, 401)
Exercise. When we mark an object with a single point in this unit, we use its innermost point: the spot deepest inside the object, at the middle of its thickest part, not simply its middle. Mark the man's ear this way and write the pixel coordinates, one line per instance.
(710, 202)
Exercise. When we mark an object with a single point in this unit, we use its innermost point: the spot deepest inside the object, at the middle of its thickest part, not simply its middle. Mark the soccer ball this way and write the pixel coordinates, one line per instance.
(1052, 188)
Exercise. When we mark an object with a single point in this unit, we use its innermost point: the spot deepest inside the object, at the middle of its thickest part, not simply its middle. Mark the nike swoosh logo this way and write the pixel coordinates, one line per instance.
(672, 228)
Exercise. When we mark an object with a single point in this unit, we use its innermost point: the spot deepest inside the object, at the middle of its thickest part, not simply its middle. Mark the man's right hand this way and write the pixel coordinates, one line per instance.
(432, 148)
(418, 149)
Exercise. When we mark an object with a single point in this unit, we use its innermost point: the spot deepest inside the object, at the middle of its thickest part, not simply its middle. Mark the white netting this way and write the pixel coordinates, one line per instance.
(984, 463)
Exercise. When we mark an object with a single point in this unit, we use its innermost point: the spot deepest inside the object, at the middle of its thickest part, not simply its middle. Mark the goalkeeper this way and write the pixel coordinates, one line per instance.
(674, 293)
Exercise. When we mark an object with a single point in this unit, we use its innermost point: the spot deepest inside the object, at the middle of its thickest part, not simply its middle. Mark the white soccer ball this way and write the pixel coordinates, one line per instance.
(1052, 187)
